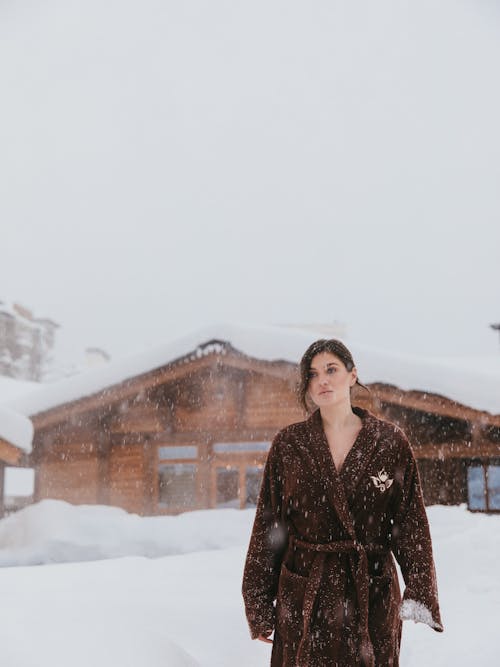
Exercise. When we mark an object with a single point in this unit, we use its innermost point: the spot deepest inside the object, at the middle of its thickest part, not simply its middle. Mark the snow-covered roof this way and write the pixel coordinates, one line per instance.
(476, 385)
(16, 428)
(11, 388)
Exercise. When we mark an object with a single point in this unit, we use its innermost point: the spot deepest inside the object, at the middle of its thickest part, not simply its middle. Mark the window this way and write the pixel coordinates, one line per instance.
(483, 485)
(493, 486)
(177, 485)
(233, 447)
(178, 452)
(253, 476)
(228, 487)
(238, 485)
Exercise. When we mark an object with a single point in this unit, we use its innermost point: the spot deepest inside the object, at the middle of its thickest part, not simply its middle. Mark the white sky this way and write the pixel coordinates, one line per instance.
(166, 166)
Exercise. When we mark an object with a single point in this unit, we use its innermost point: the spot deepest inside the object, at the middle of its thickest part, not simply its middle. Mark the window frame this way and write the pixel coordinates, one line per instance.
(176, 509)
(483, 465)
(239, 458)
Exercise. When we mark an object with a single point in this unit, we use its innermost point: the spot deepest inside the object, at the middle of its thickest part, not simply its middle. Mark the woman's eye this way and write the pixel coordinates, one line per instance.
(331, 370)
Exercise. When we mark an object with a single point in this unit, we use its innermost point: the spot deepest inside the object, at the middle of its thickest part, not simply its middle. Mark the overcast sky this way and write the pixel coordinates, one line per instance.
(168, 165)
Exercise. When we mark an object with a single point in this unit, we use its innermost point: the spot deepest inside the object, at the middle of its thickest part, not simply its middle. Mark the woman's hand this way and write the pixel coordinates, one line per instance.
(265, 637)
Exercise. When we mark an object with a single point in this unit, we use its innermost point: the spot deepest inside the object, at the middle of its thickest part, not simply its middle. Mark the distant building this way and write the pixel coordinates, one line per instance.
(26, 343)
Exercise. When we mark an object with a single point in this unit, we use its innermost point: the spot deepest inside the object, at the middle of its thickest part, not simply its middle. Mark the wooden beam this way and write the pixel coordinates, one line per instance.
(12, 455)
(149, 460)
(156, 480)
(457, 450)
(103, 451)
(242, 487)
(195, 438)
(2, 490)
(203, 475)
(213, 487)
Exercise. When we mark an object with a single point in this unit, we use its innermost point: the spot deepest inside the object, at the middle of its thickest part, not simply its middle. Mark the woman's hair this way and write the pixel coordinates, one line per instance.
(331, 345)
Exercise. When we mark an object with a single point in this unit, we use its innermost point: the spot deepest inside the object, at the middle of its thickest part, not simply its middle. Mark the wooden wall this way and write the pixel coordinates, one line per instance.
(127, 477)
(72, 480)
(2, 489)
(443, 482)
(110, 456)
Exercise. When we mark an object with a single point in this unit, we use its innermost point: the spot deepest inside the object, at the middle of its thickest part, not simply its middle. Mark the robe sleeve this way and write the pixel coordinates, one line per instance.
(412, 547)
(265, 552)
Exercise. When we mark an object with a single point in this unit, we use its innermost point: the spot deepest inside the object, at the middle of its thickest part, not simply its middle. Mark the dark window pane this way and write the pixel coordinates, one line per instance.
(228, 487)
(476, 488)
(253, 482)
(494, 487)
(177, 485)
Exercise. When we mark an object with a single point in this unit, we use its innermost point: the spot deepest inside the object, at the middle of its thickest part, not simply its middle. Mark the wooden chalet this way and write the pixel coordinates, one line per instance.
(194, 433)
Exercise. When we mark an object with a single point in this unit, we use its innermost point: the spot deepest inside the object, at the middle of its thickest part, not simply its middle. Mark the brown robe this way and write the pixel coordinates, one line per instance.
(320, 569)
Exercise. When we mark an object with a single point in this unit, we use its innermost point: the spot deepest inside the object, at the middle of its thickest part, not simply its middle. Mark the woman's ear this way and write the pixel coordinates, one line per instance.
(355, 376)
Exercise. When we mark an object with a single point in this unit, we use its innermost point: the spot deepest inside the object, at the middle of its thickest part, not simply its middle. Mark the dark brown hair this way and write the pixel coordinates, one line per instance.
(331, 345)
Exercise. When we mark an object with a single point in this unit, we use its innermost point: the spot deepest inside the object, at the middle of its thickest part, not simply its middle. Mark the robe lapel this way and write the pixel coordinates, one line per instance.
(340, 486)
(332, 483)
(361, 453)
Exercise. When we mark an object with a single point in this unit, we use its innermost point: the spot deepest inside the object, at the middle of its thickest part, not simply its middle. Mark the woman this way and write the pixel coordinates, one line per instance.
(340, 494)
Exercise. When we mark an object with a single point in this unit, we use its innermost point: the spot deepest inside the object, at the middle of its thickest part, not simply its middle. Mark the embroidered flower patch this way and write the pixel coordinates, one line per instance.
(382, 481)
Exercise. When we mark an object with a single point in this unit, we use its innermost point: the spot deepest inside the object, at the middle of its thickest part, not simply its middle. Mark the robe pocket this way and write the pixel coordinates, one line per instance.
(289, 603)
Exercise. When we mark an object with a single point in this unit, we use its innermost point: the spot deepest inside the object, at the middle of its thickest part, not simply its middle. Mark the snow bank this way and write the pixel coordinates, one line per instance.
(54, 531)
(452, 378)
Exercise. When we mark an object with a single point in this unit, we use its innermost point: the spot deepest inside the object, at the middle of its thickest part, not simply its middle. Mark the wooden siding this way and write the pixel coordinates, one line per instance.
(209, 397)
(443, 482)
(75, 481)
(270, 403)
(140, 415)
(127, 475)
(11, 455)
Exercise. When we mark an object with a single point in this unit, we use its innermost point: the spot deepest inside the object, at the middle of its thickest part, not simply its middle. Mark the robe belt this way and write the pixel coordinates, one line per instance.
(361, 581)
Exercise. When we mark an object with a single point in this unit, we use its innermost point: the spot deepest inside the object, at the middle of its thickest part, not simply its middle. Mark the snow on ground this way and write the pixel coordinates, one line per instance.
(54, 531)
(186, 609)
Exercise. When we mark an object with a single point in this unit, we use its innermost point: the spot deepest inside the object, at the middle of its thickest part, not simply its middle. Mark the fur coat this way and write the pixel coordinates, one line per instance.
(320, 567)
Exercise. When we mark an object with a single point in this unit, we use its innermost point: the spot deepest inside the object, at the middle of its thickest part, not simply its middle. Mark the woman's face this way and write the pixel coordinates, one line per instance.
(329, 380)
